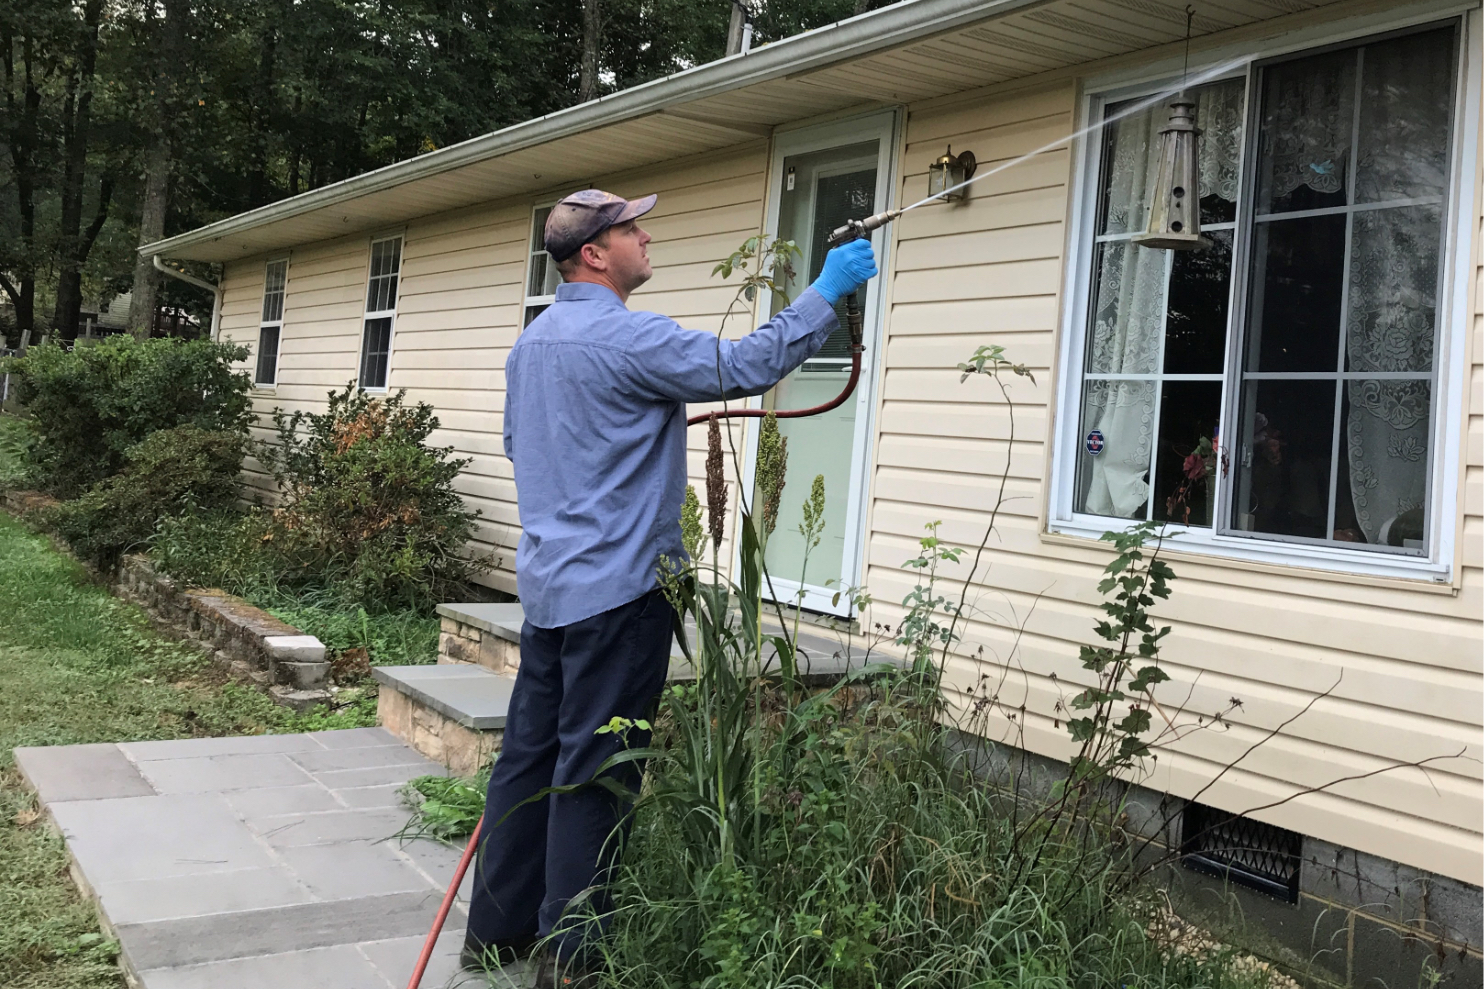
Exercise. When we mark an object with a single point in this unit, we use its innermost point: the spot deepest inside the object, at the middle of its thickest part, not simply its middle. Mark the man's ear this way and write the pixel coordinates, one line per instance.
(592, 257)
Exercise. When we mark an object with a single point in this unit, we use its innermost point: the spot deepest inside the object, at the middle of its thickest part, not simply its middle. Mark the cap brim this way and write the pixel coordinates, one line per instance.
(635, 209)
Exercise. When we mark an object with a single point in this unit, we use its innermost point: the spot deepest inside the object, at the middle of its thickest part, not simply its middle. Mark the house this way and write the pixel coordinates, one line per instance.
(1328, 342)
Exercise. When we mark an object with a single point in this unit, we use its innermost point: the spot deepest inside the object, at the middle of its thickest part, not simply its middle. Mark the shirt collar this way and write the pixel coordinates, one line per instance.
(586, 292)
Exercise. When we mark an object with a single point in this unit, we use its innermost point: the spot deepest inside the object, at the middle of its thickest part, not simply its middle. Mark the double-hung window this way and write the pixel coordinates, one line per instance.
(381, 312)
(542, 277)
(270, 326)
(1280, 386)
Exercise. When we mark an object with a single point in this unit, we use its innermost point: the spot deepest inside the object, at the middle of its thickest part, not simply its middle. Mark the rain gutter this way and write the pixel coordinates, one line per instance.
(890, 27)
(215, 290)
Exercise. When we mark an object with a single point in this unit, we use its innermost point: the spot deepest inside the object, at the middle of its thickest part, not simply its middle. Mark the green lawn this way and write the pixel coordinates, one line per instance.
(77, 665)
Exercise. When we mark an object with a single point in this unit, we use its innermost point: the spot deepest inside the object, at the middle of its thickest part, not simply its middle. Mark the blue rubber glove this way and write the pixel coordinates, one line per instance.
(846, 268)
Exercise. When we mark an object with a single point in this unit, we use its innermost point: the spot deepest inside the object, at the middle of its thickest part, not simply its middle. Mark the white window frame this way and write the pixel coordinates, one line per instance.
(370, 314)
(1460, 219)
(528, 301)
(267, 324)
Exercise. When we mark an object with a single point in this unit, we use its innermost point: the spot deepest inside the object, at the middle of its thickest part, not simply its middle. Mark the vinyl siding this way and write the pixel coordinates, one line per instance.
(1398, 665)
(1392, 669)
(460, 307)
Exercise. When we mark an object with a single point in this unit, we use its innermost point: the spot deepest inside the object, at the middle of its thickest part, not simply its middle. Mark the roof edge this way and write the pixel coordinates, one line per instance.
(865, 34)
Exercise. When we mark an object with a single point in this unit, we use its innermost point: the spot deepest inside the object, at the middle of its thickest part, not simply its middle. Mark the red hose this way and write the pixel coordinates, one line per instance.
(453, 890)
(836, 402)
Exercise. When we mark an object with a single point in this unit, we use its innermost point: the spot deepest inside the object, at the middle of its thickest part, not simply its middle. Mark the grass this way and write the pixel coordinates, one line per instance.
(77, 666)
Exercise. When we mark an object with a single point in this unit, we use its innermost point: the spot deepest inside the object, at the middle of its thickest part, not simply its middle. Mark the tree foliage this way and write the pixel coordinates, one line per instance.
(182, 112)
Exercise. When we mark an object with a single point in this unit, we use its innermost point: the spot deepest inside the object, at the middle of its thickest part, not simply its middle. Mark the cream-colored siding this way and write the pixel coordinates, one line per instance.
(1400, 663)
(1390, 670)
(459, 312)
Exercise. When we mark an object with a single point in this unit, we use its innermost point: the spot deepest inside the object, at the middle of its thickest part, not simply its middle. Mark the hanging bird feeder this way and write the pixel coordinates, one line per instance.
(1175, 206)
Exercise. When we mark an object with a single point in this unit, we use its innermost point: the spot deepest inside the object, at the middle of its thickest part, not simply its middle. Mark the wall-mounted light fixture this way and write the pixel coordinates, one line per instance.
(1175, 206)
(948, 171)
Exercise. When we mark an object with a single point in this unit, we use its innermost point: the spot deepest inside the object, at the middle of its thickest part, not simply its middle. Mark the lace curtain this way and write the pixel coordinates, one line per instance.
(1129, 309)
(1402, 153)
(1306, 127)
(1393, 313)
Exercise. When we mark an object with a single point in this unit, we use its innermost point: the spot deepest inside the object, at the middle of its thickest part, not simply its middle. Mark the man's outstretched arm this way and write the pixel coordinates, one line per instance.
(670, 362)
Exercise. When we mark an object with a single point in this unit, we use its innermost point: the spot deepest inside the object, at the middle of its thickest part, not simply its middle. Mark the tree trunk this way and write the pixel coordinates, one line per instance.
(77, 118)
(151, 229)
(168, 50)
(592, 30)
(24, 137)
(734, 30)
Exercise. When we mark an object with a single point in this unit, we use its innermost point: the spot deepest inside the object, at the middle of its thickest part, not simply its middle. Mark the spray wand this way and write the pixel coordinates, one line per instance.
(855, 321)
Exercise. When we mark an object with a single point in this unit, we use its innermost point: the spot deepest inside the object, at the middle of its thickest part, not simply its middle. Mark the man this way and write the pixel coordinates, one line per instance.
(595, 426)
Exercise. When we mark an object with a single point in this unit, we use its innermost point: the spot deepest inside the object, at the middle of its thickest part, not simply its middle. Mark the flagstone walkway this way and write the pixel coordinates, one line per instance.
(255, 863)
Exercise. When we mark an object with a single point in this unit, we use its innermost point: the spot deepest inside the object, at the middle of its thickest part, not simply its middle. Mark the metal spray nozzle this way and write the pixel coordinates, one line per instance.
(854, 229)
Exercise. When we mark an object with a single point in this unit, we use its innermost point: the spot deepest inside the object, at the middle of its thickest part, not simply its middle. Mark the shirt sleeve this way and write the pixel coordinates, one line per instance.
(667, 361)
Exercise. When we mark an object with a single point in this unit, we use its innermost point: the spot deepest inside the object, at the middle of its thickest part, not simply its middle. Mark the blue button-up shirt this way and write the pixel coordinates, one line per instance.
(595, 425)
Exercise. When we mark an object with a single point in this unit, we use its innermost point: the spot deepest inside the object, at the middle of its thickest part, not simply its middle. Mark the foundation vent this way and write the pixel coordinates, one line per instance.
(1242, 851)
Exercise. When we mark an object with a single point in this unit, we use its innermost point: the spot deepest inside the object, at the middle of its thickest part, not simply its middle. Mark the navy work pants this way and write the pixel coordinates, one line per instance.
(571, 681)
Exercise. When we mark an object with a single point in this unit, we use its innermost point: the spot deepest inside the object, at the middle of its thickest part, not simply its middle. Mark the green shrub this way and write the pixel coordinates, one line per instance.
(15, 450)
(90, 405)
(169, 473)
(368, 506)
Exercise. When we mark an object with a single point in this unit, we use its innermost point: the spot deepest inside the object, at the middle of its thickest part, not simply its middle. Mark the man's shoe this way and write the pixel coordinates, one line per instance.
(480, 957)
(552, 973)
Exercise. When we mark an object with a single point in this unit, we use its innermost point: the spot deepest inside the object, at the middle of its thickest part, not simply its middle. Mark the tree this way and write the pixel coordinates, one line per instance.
(74, 241)
(166, 53)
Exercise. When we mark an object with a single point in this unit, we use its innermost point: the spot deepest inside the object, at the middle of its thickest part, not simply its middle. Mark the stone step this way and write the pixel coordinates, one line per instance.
(489, 635)
(454, 712)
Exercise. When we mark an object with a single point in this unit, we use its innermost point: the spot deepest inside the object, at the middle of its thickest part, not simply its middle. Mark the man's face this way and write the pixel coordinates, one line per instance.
(627, 255)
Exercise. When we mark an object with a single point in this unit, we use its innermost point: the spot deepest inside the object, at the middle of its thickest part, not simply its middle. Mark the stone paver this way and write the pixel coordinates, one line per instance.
(77, 772)
(256, 863)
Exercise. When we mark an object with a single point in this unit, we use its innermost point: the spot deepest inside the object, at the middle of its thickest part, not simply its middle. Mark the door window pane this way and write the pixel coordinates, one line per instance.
(821, 190)
(1298, 269)
(1406, 103)
(1308, 117)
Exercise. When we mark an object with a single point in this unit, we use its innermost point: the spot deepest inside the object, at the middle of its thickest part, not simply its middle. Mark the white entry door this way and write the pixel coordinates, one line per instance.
(822, 177)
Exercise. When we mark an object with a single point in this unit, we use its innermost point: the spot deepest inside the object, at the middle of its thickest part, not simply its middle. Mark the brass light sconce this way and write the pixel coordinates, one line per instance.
(948, 171)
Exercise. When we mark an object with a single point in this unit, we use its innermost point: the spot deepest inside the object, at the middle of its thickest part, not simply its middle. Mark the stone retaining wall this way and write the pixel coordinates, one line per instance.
(292, 665)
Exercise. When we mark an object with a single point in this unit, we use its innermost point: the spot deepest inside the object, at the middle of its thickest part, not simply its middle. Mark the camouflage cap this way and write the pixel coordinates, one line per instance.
(583, 215)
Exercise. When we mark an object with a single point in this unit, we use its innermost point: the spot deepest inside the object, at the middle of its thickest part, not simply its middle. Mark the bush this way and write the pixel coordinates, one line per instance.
(91, 405)
(367, 506)
(170, 472)
(15, 450)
